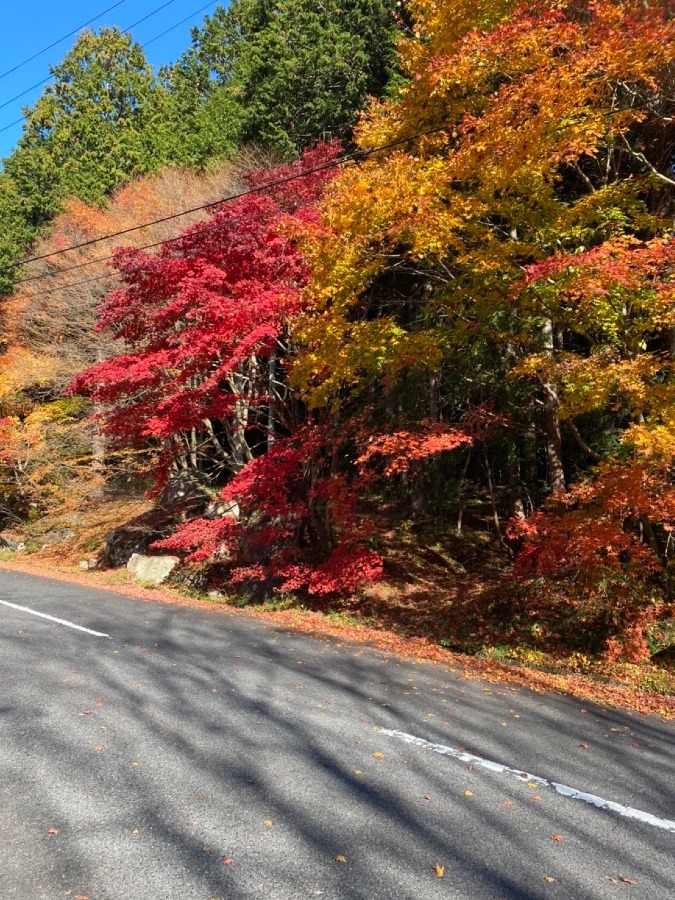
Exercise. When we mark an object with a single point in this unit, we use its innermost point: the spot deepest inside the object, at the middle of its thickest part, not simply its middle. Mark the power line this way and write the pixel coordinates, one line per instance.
(178, 24)
(49, 77)
(171, 240)
(12, 124)
(221, 226)
(65, 37)
(359, 155)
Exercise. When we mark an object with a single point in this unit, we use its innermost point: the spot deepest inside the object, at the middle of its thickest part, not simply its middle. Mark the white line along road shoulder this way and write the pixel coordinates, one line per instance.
(34, 612)
(563, 789)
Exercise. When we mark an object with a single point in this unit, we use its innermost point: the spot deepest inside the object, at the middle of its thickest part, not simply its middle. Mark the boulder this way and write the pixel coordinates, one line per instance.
(57, 536)
(7, 543)
(137, 535)
(151, 569)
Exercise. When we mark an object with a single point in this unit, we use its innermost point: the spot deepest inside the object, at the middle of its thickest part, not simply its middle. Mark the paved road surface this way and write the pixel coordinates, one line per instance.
(193, 755)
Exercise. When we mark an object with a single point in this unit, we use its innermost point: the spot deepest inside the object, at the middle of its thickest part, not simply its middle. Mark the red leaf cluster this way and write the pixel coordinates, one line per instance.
(201, 307)
(300, 528)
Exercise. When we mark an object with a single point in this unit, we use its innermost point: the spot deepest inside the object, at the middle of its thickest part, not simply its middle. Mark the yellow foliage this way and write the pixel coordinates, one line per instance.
(21, 368)
(505, 106)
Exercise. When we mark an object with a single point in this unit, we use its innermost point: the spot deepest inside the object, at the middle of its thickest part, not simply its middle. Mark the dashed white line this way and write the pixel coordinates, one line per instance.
(563, 789)
(34, 612)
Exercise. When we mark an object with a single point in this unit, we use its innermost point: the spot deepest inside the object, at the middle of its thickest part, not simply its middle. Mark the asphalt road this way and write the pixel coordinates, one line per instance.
(197, 754)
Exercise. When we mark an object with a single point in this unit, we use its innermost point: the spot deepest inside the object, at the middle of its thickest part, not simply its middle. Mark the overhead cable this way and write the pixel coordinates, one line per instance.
(220, 226)
(49, 77)
(24, 62)
(178, 24)
(357, 155)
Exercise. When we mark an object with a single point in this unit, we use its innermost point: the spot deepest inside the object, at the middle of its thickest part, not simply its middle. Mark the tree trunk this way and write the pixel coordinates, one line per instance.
(98, 451)
(551, 424)
(236, 428)
(271, 426)
(553, 440)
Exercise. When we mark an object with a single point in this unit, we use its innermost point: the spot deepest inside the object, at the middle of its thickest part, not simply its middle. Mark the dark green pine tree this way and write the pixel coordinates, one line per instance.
(91, 130)
(285, 73)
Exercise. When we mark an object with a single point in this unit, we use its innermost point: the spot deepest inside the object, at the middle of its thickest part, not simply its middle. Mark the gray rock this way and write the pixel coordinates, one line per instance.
(185, 485)
(57, 536)
(218, 509)
(151, 569)
(8, 544)
(137, 535)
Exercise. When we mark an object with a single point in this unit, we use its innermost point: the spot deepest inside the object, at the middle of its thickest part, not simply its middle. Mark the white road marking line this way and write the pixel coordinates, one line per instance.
(563, 789)
(34, 612)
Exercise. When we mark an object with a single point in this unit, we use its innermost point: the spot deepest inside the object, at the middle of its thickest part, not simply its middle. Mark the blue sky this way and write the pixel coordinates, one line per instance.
(29, 27)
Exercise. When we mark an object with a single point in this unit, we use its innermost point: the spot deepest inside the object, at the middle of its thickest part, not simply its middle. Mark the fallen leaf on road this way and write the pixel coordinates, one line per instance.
(508, 803)
(98, 749)
(52, 830)
(584, 746)
(468, 793)
(537, 797)
(81, 897)
(439, 870)
(627, 880)
(378, 755)
(532, 785)
(340, 858)
(557, 837)
(357, 772)
(268, 823)
(85, 712)
(427, 797)
(549, 878)
(135, 831)
(228, 861)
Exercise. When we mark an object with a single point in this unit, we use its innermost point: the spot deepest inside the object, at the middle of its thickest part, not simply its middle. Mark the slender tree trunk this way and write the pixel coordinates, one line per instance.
(553, 440)
(493, 499)
(271, 425)
(98, 454)
(236, 428)
(433, 396)
(551, 425)
(98, 445)
(462, 481)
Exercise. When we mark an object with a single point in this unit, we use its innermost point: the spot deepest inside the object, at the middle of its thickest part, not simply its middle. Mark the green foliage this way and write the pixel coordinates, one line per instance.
(284, 74)
(91, 129)
(15, 233)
